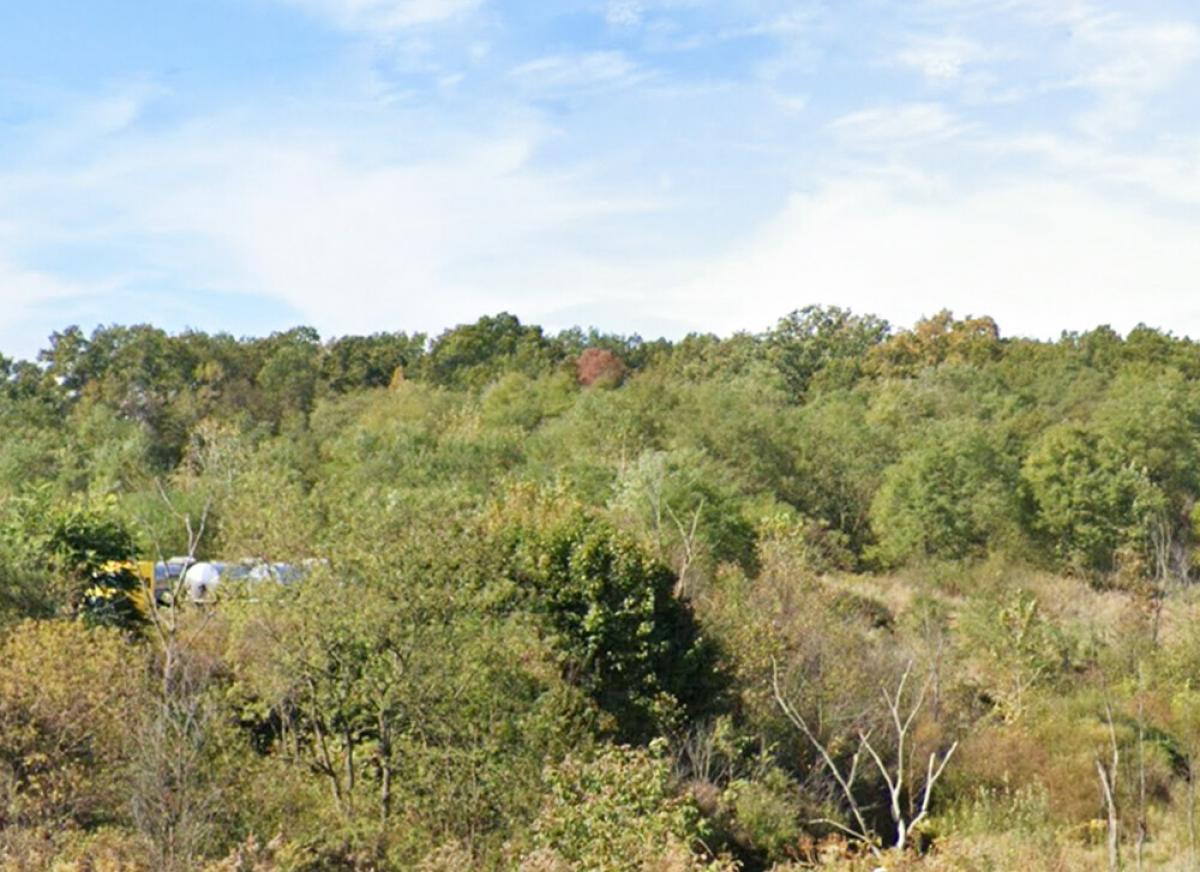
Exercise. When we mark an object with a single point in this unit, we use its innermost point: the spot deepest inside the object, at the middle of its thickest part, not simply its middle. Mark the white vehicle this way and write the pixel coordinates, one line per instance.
(202, 578)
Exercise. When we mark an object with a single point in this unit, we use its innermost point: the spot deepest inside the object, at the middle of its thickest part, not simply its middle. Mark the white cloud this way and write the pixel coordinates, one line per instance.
(1169, 173)
(351, 236)
(1118, 55)
(940, 58)
(624, 13)
(387, 15)
(23, 289)
(82, 122)
(1125, 61)
(1138, 57)
(785, 24)
(357, 243)
(24, 293)
(893, 126)
(1038, 255)
(579, 73)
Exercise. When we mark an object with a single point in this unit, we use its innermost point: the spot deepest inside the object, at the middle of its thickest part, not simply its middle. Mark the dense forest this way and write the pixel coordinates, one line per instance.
(835, 594)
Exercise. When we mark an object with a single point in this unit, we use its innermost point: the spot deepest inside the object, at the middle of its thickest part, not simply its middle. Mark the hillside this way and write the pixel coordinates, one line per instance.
(838, 593)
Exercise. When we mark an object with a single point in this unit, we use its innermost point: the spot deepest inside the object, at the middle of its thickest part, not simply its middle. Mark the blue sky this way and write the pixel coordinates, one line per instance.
(651, 166)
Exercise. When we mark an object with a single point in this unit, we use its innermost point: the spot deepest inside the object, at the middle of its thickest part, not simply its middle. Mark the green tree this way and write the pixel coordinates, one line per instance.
(355, 362)
(1125, 480)
(471, 355)
(824, 344)
(1084, 498)
(939, 339)
(953, 496)
(678, 504)
(623, 635)
(425, 711)
(839, 457)
(290, 372)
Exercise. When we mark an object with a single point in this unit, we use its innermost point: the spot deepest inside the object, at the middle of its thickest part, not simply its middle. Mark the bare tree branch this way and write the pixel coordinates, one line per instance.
(843, 782)
(894, 777)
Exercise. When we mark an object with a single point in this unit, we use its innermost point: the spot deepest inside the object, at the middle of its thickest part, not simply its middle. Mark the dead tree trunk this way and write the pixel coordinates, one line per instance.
(895, 776)
(1108, 786)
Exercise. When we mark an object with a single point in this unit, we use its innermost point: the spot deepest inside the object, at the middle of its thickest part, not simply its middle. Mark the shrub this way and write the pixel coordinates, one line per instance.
(617, 813)
(67, 694)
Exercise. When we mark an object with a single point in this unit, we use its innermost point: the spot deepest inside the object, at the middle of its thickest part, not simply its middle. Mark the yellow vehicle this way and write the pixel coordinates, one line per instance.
(120, 592)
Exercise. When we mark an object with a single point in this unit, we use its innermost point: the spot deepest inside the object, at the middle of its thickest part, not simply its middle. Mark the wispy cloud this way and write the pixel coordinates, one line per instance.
(86, 120)
(23, 289)
(347, 235)
(1116, 54)
(387, 15)
(624, 13)
(579, 73)
(890, 127)
(940, 58)
(782, 24)
(1124, 61)
(1169, 172)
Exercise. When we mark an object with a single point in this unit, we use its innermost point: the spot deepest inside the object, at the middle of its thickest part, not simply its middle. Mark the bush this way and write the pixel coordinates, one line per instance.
(67, 697)
(617, 813)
